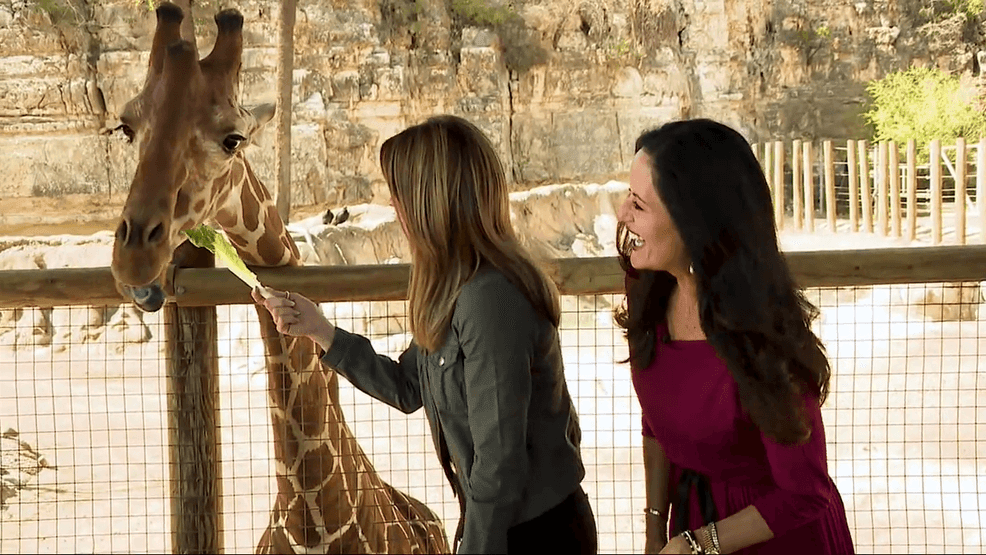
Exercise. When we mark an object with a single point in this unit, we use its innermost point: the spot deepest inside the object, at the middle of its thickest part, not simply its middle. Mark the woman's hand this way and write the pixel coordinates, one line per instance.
(295, 315)
(677, 544)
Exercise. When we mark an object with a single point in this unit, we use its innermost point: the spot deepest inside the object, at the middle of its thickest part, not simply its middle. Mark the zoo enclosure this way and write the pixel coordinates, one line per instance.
(880, 188)
(857, 428)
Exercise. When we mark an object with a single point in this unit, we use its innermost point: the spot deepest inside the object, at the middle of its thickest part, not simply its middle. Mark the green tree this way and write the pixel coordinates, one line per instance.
(924, 104)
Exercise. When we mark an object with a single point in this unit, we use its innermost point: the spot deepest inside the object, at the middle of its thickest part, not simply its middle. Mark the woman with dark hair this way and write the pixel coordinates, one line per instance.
(729, 375)
(485, 361)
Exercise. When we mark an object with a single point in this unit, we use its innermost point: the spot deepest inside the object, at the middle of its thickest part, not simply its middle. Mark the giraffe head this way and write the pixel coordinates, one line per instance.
(190, 131)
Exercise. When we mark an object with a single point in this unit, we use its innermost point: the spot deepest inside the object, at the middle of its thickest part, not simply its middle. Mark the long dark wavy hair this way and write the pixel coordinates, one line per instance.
(752, 312)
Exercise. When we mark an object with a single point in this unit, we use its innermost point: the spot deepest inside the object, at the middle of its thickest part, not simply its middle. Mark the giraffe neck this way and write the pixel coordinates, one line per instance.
(316, 497)
(329, 497)
(248, 215)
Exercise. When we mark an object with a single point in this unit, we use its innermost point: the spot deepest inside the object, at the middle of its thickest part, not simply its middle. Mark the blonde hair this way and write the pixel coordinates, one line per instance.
(447, 180)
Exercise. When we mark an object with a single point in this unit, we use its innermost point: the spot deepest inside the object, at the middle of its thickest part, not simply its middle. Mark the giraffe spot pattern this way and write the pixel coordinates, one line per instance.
(368, 511)
(250, 210)
(289, 245)
(286, 492)
(314, 466)
(350, 542)
(337, 510)
(270, 249)
(300, 524)
(285, 445)
(281, 385)
(309, 405)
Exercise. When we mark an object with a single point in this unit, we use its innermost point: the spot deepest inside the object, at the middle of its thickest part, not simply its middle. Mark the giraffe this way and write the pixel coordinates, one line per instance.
(191, 131)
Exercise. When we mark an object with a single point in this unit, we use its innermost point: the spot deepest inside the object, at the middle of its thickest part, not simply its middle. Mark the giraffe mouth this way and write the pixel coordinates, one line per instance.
(148, 298)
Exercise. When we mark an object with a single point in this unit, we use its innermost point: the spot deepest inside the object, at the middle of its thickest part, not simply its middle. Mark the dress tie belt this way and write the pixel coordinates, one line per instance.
(706, 504)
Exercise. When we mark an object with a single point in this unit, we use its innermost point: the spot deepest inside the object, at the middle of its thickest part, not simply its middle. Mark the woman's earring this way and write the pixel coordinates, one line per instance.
(691, 269)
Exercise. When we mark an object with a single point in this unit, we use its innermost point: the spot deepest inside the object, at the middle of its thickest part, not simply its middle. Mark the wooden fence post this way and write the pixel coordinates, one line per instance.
(285, 107)
(807, 164)
(191, 352)
(779, 184)
(882, 192)
(934, 151)
(960, 175)
(864, 185)
(981, 188)
(912, 190)
(853, 186)
(894, 164)
(796, 183)
(829, 164)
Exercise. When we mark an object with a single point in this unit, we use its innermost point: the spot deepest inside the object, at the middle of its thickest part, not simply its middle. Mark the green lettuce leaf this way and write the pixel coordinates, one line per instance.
(208, 238)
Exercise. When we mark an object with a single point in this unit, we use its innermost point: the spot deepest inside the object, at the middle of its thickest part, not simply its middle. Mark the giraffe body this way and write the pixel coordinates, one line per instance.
(191, 132)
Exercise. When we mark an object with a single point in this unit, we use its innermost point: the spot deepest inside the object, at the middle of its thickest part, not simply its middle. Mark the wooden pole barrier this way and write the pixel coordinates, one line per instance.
(285, 107)
(894, 163)
(912, 190)
(960, 175)
(866, 207)
(829, 163)
(882, 189)
(807, 165)
(779, 184)
(388, 282)
(796, 183)
(981, 188)
(191, 354)
(853, 186)
(936, 194)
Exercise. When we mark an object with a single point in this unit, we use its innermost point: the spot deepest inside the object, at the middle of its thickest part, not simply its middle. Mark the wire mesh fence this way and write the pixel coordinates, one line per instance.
(83, 418)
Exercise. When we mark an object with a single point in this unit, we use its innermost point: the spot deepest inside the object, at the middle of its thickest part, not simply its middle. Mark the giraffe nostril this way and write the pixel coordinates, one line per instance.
(121, 232)
(156, 235)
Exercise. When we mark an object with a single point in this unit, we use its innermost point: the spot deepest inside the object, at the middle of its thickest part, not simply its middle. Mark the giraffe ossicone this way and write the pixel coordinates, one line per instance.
(191, 132)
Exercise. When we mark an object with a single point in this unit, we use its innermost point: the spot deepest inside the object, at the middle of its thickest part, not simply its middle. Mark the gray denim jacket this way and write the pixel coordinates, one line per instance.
(497, 386)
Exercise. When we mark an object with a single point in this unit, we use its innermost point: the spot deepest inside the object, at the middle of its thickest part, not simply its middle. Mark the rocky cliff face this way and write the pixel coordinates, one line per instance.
(563, 87)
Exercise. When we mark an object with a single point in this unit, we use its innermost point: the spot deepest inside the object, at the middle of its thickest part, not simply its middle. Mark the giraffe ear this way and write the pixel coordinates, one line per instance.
(263, 114)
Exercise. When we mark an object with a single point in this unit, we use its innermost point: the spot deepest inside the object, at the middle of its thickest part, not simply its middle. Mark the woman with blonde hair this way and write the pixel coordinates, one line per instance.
(485, 361)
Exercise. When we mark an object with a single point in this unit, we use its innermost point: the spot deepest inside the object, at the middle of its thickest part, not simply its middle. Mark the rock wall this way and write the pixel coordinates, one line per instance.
(563, 87)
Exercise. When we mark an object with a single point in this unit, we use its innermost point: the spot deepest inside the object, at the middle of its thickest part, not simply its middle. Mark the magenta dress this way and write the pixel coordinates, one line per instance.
(690, 405)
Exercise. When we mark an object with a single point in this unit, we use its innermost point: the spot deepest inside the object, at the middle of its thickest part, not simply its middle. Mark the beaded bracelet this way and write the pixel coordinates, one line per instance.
(692, 542)
(714, 535)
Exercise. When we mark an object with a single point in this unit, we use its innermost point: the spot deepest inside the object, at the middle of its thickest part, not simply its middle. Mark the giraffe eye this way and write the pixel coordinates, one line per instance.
(233, 141)
(127, 131)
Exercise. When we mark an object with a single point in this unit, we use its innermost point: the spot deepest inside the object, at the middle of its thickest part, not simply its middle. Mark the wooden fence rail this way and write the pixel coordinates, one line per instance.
(881, 193)
(575, 276)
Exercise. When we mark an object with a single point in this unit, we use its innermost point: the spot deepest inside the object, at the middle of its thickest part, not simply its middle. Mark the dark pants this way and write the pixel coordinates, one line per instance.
(569, 527)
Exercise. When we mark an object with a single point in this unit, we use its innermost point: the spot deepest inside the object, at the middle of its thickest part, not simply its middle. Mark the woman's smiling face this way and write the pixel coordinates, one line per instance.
(657, 245)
